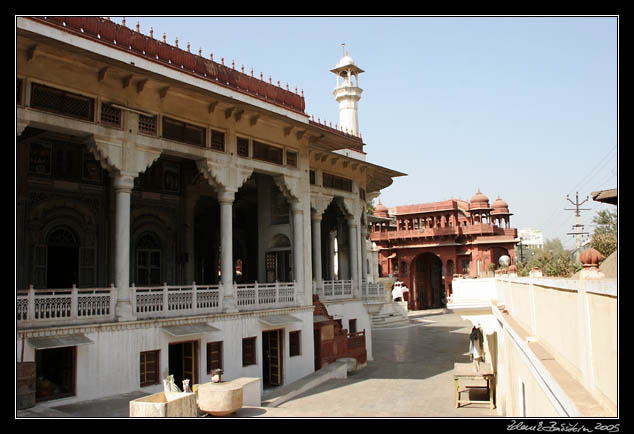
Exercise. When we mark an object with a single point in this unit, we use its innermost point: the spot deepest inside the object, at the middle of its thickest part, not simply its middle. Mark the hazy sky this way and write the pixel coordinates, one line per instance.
(521, 107)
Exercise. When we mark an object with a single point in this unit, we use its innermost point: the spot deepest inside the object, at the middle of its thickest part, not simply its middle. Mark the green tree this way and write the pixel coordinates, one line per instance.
(370, 206)
(605, 236)
(553, 260)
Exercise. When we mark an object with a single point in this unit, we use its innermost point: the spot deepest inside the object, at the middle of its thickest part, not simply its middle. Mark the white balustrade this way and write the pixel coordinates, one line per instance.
(334, 289)
(69, 305)
(81, 305)
(369, 289)
(175, 300)
(254, 296)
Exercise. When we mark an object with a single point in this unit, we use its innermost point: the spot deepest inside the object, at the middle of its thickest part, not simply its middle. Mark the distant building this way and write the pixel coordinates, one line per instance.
(530, 241)
(425, 245)
(531, 238)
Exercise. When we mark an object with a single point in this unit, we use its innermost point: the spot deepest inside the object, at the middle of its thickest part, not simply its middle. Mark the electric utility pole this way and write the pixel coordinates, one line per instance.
(578, 227)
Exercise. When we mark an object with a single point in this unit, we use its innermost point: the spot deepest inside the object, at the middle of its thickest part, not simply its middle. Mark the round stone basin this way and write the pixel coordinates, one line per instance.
(219, 399)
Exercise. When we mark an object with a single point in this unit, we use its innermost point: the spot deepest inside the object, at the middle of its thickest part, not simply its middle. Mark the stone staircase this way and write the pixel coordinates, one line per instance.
(386, 317)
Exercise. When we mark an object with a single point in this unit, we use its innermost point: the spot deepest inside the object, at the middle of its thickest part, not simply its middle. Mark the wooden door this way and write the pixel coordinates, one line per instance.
(272, 348)
(189, 362)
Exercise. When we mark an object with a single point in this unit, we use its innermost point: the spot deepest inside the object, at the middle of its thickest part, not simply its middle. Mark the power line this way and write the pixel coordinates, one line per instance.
(591, 176)
(587, 177)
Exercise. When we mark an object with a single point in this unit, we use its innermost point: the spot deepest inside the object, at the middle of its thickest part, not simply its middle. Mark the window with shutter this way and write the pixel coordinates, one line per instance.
(149, 368)
(248, 351)
(294, 343)
(214, 356)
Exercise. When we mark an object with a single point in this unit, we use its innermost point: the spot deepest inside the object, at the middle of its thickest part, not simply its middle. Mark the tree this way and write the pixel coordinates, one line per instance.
(370, 206)
(605, 236)
(553, 260)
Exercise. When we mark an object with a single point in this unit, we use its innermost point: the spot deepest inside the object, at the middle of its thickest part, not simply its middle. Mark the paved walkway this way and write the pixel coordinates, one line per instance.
(411, 376)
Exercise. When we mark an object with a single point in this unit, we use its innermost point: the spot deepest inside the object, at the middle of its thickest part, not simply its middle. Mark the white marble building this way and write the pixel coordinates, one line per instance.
(174, 215)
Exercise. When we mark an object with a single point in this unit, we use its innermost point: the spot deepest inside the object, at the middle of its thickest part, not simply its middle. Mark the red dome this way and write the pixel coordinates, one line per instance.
(479, 201)
(380, 210)
(500, 207)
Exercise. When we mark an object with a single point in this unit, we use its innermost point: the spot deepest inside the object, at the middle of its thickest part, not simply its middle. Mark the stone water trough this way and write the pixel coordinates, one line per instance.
(217, 398)
(165, 404)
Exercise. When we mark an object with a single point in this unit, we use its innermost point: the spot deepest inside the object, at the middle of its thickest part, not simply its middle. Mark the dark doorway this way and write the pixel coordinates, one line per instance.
(55, 370)
(428, 281)
(62, 264)
(183, 362)
(272, 358)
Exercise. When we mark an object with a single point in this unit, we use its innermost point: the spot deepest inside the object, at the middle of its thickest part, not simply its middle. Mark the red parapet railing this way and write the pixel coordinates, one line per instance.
(109, 33)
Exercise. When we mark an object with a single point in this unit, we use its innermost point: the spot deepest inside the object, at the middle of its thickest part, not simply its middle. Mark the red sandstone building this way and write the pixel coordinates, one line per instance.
(425, 245)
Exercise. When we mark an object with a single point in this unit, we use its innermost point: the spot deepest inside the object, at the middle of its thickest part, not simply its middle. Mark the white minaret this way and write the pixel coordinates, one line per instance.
(348, 94)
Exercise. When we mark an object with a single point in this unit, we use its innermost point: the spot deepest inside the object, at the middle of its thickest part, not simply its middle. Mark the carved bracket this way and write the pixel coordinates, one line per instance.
(319, 202)
(122, 158)
(222, 176)
(290, 187)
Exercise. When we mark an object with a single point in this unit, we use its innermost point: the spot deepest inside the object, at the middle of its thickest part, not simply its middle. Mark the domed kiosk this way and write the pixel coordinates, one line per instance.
(500, 213)
(479, 207)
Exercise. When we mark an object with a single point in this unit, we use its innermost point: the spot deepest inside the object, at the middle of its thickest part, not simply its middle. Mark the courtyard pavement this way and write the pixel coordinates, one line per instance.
(411, 376)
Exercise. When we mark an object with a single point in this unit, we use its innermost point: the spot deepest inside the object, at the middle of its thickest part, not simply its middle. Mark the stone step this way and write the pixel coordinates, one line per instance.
(388, 319)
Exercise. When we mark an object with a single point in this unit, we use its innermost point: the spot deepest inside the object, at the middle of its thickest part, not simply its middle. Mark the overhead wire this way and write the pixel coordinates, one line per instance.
(587, 177)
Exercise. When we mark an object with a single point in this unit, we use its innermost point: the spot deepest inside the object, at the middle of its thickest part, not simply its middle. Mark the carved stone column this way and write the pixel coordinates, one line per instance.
(298, 248)
(353, 252)
(364, 249)
(123, 185)
(124, 161)
(226, 198)
(316, 247)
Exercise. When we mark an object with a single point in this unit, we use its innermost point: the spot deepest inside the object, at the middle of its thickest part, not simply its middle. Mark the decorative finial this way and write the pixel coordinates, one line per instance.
(188, 47)
(164, 38)
(151, 33)
(200, 52)
(211, 56)
(176, 42)
(123, 22)
(138, 27)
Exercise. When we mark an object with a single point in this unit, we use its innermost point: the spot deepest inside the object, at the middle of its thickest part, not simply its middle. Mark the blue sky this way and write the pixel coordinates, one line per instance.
(521, 107)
